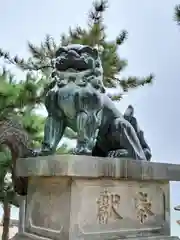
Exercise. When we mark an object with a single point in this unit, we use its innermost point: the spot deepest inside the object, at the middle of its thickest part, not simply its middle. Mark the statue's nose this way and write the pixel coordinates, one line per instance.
(72, 53)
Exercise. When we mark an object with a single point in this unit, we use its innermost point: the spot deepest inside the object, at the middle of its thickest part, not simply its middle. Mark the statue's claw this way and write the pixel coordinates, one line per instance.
(81, 151)
(37, 153)
(118, 153)
(31, 153)
(148, 154)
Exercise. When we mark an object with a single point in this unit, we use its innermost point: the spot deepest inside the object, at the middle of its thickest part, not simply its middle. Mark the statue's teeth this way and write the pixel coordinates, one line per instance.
(71, 70)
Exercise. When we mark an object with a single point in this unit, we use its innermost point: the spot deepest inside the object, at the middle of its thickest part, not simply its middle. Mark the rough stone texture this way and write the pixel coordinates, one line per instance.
(69, 199)
(94, 167)
(123, 219)
(26, 237)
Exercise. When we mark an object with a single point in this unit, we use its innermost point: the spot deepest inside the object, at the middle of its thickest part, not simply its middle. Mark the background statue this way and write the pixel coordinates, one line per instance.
(77, 100)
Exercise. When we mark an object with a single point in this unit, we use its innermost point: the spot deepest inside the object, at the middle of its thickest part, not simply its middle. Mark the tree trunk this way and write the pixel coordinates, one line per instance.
(6, 219)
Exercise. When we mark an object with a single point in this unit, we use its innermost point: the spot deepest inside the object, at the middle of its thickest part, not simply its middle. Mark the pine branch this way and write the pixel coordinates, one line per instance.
(50, 45)
(177, 14)
(74, 34)
(21, 63)
(48, 42)
(35, 51)
(46, 50)
(122, 37)
(130, 83)
(64, 40)
(7, 76)
(99, 7)
(96, 33)
(134, 82)
(116, 97)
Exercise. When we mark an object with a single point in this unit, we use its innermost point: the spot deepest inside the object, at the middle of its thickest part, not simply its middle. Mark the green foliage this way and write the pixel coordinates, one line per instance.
(63, 149)
(94, 35)
(34, 126)
(5, 162)
(16, 97)
(6, 186)
(69, 133)
(177, 14)
(18, 100)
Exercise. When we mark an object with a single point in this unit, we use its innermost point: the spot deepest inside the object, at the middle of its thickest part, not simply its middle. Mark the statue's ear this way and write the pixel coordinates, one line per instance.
(103, 90)
(126, 112)
(129, 111)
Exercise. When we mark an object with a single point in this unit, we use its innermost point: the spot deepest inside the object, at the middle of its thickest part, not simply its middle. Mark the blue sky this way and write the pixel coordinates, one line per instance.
(152, 46)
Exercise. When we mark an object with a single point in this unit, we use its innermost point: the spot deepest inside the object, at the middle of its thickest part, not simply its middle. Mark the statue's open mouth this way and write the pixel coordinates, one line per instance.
(71, 63)
(75, 59)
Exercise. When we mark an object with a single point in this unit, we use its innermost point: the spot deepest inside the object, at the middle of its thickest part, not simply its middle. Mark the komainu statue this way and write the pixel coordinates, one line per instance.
(77, 100)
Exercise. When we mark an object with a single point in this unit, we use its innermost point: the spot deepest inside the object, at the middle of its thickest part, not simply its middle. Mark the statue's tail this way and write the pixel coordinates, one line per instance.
(16, 139)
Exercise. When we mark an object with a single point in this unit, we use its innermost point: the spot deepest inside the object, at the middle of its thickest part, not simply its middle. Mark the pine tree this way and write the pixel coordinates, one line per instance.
(7, 194)
(17, 96)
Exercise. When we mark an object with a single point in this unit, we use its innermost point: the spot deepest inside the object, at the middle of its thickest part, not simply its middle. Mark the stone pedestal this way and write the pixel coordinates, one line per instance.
(88, 198)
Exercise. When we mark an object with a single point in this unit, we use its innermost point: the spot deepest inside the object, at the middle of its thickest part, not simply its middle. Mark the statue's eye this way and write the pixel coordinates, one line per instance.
(88, 51)
(96, 86)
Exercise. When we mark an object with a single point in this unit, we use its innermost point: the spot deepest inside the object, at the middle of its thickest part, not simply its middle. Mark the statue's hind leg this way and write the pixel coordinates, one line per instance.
(123, 132)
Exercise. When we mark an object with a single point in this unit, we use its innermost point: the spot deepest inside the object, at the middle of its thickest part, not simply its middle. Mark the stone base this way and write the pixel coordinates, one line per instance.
(59, 208)
(97, 199)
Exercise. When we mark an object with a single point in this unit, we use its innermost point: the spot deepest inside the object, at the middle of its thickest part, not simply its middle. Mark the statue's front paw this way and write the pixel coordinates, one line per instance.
(118, 153)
